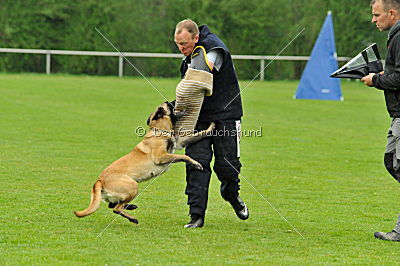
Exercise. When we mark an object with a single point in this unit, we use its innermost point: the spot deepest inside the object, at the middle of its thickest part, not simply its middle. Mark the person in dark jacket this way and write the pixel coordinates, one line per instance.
(386, 16)
(224, 107)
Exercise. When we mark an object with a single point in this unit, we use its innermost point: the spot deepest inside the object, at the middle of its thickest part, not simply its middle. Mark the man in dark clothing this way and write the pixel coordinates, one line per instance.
(386, 16)
(224, 107)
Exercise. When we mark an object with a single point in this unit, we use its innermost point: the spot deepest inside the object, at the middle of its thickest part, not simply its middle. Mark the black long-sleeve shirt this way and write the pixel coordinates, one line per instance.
(389, 82)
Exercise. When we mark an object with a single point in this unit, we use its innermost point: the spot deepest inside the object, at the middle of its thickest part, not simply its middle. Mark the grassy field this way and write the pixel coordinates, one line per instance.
(319, 163)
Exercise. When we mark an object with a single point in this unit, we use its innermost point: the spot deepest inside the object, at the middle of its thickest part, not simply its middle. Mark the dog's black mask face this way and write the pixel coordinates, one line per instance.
(166, 109)
(159, 113)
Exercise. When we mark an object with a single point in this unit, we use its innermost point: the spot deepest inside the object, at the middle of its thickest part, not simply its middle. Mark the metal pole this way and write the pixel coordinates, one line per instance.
(121, 66)
(48, 61)
(262, 65)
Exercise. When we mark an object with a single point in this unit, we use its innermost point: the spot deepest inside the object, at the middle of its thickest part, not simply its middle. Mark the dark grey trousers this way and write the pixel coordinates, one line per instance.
(392, 155)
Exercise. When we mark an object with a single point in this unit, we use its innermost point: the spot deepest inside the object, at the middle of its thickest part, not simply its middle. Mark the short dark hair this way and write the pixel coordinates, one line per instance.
(388, 4)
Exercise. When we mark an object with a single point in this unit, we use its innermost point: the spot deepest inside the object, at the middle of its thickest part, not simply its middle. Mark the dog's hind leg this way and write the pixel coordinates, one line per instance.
(125, 189)
(119, 209)
(131, 207)
(112, 205)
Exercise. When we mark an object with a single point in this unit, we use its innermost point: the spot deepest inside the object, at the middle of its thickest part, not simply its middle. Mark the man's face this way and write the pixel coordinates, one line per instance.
(186, 42)
(382, 19)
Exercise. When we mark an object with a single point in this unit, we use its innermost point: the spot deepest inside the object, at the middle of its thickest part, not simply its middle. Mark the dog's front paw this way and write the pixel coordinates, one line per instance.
(130, 207)
(198, 166)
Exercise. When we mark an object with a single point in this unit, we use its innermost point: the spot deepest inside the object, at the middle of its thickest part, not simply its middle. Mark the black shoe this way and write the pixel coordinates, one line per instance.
(240, 208)
(391, 236)
(195, 222)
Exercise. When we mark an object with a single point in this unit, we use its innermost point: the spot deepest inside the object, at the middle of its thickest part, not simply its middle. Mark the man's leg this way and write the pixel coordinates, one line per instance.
(397, 228)
(392, 153)
(389, 160)
(197, 182)
(392, 164)
(227, 164)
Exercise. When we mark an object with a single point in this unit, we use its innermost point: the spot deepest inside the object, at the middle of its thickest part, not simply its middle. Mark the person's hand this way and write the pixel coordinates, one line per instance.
(368, 79)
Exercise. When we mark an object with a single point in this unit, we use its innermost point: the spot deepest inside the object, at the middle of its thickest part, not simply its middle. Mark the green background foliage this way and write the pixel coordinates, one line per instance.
(257, 27)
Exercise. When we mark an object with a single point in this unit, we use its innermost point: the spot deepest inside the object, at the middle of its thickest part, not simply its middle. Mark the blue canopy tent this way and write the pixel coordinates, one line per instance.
(315, 82)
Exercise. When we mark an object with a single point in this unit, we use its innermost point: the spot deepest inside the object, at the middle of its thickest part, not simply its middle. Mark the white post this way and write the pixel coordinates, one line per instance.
(121, 66)
(48, 61)
(262, 65)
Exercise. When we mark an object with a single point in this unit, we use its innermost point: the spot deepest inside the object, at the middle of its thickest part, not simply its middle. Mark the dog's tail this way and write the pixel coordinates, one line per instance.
(94, 202)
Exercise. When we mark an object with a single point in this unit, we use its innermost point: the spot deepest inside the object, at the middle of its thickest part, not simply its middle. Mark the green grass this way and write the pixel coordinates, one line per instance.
(318, 162)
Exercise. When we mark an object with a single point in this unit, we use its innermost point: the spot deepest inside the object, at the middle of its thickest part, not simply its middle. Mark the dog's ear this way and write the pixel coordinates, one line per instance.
(159, 113)
(148, 120)
(171, 105)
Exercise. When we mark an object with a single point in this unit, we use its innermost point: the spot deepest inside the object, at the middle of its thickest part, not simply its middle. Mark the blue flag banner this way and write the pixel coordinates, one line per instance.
(315, 82)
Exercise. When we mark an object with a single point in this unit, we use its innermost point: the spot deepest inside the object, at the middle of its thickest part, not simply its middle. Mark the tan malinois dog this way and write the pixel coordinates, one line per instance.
(118, 183)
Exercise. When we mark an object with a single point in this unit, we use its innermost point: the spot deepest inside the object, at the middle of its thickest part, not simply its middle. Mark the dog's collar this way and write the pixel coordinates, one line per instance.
(162, 132)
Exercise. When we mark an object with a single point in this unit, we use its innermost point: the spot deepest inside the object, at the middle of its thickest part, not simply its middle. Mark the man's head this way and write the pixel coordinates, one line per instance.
(186, 36)
(385, 13)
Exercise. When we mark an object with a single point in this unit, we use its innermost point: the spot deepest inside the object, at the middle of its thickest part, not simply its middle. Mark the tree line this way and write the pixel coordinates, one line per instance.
(256, 27)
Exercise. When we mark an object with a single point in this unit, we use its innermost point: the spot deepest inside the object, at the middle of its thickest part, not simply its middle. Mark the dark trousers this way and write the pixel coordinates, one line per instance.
(392, 153)
(223, 144)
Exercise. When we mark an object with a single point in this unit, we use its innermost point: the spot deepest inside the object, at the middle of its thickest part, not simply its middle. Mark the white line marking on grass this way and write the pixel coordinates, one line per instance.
(265, 199)
(270, 62)
(151, 84)
(135, 198)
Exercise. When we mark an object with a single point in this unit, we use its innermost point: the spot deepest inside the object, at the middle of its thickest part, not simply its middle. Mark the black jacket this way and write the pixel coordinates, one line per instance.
(225, 102)
(389, 82)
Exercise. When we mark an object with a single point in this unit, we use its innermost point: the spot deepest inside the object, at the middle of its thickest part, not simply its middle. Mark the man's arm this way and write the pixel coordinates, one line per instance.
(216, 58)
(206, 61)
(368, 79)
(384, 81)
(387, 82)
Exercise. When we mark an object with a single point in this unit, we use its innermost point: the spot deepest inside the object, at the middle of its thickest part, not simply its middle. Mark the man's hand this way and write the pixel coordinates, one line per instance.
(368, 79)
